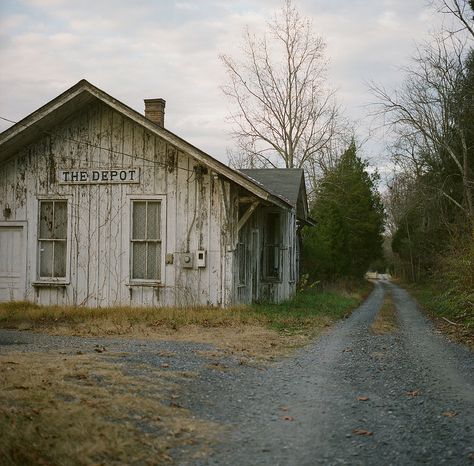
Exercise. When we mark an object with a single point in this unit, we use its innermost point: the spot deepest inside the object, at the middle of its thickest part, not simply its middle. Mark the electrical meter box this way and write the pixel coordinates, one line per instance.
(201, 258)
(187, 260)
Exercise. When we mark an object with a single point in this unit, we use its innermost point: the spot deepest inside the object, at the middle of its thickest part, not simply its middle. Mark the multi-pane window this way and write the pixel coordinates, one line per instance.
(272, 246)
(146, 240)
(52, 239)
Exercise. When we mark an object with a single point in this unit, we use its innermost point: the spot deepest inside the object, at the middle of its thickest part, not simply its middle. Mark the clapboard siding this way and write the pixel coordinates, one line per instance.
(99, 215)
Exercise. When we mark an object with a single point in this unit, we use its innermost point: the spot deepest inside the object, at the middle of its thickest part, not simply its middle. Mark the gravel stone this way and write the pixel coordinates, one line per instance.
(303, 410)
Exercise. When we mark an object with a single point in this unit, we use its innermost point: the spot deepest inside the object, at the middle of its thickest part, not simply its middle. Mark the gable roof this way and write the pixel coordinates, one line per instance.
(81, 94)
(287, 182)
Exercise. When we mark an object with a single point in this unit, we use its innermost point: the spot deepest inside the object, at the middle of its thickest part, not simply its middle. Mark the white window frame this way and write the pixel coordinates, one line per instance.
(54, 280)
(142, 198)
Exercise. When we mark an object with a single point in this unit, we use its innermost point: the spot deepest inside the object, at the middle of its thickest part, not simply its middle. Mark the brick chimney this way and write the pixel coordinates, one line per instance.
(155, 111)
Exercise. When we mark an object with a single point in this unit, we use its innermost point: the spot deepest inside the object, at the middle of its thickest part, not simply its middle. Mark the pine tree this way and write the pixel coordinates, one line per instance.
(349, 221)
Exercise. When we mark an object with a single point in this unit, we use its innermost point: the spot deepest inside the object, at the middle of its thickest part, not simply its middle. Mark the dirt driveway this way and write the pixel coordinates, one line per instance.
(352, 397)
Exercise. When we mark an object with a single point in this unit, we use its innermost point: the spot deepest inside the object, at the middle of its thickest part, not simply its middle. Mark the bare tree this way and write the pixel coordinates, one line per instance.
(462, 10)
(284, 112)
(427, 114)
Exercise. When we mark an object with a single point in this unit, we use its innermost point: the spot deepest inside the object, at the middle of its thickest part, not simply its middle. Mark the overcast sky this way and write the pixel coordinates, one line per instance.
(170, 49)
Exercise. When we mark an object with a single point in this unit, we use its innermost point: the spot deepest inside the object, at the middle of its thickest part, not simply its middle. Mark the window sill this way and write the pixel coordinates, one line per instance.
(145, 283)
(50, 284)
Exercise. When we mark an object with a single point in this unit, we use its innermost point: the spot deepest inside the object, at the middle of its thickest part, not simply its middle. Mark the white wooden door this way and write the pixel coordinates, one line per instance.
(12, 262)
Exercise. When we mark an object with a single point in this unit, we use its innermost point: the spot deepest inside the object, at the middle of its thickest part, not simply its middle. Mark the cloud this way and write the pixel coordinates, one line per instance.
(9, 23)
(187, 6)
(389, 21)
(170, 49)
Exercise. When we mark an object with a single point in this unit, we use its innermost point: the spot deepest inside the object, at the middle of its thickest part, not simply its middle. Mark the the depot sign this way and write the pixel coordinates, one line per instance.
(99, 176)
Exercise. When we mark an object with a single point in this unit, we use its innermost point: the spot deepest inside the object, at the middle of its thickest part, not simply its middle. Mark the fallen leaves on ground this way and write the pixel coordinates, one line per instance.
(414, 393)
(362, 432)
(450, 413)
(166, 354)
(363, 398)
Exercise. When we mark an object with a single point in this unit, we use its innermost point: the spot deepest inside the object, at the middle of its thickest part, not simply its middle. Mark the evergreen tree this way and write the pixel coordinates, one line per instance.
(349, 222)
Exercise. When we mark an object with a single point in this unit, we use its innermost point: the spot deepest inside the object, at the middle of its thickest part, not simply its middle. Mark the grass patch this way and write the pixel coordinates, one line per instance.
(386, 319)
(452, 310)
(83, 410)
(312, 309)
(447, 294)
(263, 330)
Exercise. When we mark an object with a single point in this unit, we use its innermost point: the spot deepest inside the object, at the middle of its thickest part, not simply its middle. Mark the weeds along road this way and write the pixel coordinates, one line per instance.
(354, 397)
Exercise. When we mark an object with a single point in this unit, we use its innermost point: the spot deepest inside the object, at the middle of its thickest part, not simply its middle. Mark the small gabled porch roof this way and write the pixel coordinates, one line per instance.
(286, 182)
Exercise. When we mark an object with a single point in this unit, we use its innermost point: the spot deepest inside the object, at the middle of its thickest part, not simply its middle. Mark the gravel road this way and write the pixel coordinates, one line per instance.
(417, 387)
(303, 410)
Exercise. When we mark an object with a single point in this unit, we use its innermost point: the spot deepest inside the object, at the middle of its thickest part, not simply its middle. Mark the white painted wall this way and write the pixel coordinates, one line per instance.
(198, 213)
(99, 220)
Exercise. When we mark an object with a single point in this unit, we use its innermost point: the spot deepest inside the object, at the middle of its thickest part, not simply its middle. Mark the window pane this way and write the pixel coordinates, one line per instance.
(273, 226)
(46, 258)
(272, 245)
(153, 220)
(153, 261)
(46, 220)
(139, 260)
(59, 259)
(139, 220)
(60, 219)
(272, 261)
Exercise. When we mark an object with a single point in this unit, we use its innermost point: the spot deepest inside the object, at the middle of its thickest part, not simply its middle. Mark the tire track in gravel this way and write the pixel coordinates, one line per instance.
(411, 377)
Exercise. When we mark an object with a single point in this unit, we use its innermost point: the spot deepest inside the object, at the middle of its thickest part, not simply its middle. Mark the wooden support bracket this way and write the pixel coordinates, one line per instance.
(247, 215)
(226, 201)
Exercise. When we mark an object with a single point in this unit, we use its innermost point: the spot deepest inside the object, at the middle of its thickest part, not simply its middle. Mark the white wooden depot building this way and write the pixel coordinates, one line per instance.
(102, 206)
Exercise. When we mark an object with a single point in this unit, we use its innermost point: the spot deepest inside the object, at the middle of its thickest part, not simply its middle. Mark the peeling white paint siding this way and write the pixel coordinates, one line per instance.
(252, 235)
(99, 214)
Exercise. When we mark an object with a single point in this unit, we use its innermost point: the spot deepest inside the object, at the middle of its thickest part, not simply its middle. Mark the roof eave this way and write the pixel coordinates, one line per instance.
(32, 121)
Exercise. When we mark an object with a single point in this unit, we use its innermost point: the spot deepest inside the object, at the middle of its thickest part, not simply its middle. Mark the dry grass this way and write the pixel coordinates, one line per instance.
(83, 410)
(234, 330)
(121, 320)
(263, 331)
(451, 311)
(386, 319)
(248, 342)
